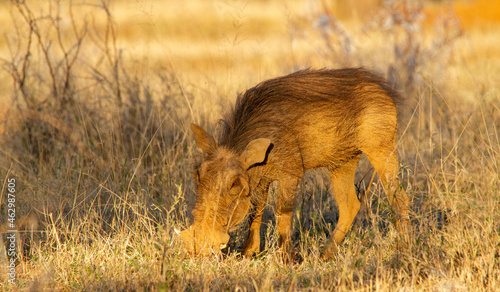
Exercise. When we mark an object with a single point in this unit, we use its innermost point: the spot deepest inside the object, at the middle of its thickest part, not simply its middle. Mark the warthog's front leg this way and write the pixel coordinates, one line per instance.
(284, 214)
(259, 200)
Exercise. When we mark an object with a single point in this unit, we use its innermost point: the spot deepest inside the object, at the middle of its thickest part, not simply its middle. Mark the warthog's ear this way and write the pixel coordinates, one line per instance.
(255, 152)
(203, 139)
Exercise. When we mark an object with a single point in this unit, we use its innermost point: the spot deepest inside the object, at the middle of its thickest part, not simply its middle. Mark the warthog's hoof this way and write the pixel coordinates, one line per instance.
(330, 251)
(290, 256)
(403, 225)
(250, 253)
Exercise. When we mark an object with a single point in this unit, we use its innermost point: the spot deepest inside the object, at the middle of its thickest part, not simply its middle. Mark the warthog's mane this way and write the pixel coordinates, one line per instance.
(273, 104)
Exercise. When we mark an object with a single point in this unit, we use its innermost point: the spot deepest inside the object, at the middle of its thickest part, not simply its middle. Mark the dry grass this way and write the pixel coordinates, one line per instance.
(95, 131)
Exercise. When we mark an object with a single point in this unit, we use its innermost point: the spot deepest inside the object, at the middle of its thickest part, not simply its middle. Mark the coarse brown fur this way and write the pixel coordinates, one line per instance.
(278, 129)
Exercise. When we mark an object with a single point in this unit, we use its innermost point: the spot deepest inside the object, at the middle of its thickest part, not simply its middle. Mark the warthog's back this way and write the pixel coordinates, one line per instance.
(322, 115)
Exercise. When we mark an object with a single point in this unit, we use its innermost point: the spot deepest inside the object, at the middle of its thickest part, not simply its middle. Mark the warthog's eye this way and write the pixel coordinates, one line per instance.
(236, 186)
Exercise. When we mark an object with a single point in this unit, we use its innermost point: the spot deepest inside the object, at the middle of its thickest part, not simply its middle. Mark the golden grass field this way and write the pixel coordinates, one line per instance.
(95, 105)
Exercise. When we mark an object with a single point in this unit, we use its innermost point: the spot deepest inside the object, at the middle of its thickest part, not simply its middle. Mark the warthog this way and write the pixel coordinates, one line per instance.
(278, 129)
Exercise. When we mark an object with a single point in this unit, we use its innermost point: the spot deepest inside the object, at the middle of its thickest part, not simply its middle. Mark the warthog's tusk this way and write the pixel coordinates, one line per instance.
(223, 245)
(177, 231)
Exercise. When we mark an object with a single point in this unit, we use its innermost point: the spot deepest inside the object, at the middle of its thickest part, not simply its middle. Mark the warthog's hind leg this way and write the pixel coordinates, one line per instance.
(387, 167)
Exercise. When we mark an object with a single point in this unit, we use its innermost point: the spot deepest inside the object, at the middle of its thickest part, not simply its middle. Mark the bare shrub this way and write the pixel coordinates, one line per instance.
(103, 142)
(406, 54)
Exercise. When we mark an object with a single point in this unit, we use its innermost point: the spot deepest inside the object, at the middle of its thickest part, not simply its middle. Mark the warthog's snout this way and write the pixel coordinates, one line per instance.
(200, 240)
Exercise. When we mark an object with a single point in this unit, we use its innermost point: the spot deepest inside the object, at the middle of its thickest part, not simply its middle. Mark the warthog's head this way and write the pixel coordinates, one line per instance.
(223, 198)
